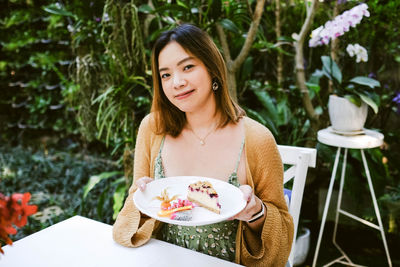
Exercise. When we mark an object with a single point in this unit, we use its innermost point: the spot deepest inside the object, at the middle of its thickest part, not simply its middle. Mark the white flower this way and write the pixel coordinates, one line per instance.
(106, 17)
(315, 37)
(350, 50)
(358, 51)
(70, 28)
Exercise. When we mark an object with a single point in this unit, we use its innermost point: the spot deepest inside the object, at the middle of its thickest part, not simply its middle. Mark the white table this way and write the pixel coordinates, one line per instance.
(369, 139)
(79, 241)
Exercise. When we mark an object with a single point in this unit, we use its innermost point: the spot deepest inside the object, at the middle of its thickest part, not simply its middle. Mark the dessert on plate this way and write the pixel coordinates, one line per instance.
(180, 210)
(203, 194)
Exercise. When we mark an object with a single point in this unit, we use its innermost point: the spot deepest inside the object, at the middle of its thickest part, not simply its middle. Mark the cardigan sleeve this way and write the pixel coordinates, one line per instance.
(131, 229)
(272, 246)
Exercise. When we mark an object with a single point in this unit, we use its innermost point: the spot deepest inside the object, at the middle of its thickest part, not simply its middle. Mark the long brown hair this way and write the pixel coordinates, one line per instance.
(168, 118)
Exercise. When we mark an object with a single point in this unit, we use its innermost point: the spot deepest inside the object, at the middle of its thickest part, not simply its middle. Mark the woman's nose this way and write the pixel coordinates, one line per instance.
(179, 81)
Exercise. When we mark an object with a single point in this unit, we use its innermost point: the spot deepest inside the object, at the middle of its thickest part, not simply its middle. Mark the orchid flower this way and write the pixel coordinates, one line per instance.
(358, 51)
(338, 26)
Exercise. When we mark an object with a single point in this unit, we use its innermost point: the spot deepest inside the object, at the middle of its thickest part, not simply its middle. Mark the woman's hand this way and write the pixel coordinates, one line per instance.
(253, 204)
(141, 182)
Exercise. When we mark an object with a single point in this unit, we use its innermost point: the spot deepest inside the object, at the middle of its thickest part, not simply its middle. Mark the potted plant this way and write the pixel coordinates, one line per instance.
(348, 104)
(349, 101)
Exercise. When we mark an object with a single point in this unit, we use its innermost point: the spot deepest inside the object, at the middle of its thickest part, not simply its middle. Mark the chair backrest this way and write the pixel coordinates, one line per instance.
(299, 159)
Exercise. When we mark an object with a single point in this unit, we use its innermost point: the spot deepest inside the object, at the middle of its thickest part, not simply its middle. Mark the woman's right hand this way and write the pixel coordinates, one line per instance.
(141, 182)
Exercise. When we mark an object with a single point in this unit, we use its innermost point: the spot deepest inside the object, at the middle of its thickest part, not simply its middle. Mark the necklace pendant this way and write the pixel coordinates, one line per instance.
(202, 142)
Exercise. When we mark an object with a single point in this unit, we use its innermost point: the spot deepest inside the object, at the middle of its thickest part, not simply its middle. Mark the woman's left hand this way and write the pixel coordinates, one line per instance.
(254, 204)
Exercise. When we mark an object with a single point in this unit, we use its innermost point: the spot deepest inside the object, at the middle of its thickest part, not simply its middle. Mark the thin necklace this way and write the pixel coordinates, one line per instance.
(203, 140)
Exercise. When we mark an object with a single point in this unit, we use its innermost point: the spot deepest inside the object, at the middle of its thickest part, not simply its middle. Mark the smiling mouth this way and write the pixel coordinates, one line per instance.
(184, 94)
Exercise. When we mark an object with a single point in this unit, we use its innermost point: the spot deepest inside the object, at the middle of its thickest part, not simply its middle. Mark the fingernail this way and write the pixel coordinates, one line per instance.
(141, 187)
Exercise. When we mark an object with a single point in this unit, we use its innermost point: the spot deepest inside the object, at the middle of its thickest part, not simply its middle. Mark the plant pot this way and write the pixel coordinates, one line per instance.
(345, 116)
(302, 247)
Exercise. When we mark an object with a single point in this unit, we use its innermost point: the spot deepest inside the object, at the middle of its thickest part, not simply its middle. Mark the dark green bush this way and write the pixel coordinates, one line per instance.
(57, 178)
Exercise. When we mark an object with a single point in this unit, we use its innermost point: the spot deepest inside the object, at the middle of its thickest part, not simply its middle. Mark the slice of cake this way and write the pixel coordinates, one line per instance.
(203, 194)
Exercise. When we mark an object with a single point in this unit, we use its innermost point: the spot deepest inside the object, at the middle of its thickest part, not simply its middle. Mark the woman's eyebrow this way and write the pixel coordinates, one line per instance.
(179, 63)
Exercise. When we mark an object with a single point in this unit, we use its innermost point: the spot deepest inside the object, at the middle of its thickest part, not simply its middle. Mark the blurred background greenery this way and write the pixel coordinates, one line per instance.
(75, 83)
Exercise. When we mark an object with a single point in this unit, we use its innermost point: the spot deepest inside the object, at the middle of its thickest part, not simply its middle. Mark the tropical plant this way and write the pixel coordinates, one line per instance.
(118, 195)
(289, 126)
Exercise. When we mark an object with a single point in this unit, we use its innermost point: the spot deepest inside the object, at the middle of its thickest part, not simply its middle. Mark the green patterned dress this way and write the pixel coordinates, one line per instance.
(218, 239)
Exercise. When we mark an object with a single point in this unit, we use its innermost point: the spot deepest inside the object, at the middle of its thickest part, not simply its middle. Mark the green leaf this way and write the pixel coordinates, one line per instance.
(146, 9)
(247, 68)
(57, 11)
(16, 17)
(305, 128)
(119, 196)
(353, 99)
(95, 179)
(181, 3)
(271, 126)
(3, 65)
(366, 81)
(316, 76)
(332, 68)
(255, 115)
(314, 87)
(100, 202)
(263, 119)
(229, 25)
(267, 102)
(170, 8)
(369, 102)
(284, 112)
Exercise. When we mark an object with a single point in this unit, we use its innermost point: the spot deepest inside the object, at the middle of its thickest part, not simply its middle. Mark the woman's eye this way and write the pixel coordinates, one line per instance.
(165, 75)
(188, 67)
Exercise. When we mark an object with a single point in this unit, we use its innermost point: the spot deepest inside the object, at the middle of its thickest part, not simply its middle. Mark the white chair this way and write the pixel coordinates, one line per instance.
(300, 158)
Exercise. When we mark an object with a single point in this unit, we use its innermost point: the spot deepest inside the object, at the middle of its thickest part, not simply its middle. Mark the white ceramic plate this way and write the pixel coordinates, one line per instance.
(230, 198)
(346, 133)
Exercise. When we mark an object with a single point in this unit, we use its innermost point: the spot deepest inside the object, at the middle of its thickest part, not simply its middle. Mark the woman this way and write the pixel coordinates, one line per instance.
(196, 129)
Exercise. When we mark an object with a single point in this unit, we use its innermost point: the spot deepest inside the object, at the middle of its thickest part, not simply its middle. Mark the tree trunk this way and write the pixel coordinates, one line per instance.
(300, 72)
(334, 45)
(234, 65)
(232, 84)
(279, 68)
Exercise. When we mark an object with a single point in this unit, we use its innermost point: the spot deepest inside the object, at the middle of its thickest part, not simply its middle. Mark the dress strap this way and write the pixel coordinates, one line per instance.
(162, 145)
(240, 155)
(158, 167)
(233, 178)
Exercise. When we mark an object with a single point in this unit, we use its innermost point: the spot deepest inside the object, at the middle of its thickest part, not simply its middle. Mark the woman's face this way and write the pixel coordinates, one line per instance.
(185, 79)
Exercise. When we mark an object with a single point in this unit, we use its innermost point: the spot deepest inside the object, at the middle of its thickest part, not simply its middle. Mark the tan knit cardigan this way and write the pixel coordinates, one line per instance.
(264, 172)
